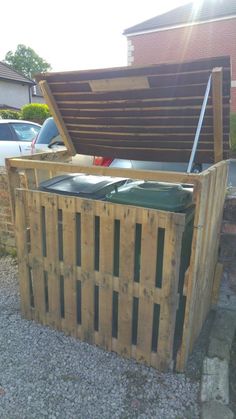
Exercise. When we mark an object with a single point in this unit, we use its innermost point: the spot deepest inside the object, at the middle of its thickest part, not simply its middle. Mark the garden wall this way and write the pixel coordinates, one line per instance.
(7, 237)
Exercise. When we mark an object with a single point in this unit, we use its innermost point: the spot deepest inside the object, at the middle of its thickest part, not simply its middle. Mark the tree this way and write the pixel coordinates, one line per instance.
(26, 61)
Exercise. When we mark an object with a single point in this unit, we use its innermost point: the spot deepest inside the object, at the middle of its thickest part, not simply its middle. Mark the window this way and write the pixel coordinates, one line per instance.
(25, 132)
(5, 133)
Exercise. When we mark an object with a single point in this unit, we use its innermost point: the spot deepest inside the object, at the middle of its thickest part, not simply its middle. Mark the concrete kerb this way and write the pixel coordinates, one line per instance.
(215, 376)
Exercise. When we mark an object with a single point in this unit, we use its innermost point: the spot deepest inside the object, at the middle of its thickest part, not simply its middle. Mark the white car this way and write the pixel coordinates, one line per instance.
(49, 139)
(16, 137)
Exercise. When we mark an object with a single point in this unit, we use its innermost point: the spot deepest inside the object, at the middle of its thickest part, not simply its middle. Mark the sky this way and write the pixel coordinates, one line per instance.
(76, 34)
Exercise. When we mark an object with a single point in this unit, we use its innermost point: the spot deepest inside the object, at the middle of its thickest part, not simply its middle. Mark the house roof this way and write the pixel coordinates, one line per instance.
(7, 73)
(187, 14)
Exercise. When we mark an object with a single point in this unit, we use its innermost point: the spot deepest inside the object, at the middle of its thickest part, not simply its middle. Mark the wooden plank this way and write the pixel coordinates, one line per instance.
(22, 253)
(189, 78)
(126, 215)
(106, 171)
(199, 219)
(153, 143)
(49, 201)
(164, 103)
(193, 286)
(172, 92)
(169, 68)
(124, 83)
(57, 117)
(86, 209)
(106, 263)
(129, 135)
(35, 220)
(146, 154)
(157, 111)
(217, 94)
(143, 121)
(31, 181)
(13, 183)
(67, 205)
(147, 285)
(169, 303)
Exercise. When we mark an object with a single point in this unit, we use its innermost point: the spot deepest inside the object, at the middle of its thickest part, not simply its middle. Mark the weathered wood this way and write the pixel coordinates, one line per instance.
(67, 206)
(146, 286)
(86, 209)
(22, 253)
(106, 263)
(35, 225)
(200, 284)
(217, 93)
(49, 202)
(57, 117)
(124, 307)
(134, 71)
(126, 215)
(180, 177)
(126, 98)
(13, 183)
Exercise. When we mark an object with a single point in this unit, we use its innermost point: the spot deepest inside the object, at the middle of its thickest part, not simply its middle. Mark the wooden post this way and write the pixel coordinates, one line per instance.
(57, 116)
(13, 183)
(217, 100)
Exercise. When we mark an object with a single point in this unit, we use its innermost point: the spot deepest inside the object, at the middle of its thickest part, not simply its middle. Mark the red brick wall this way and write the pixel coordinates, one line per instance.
(188, 43)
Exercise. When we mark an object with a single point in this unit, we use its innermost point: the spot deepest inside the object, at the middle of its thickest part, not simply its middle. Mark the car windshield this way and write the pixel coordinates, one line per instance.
(48, 133)
(25, 132)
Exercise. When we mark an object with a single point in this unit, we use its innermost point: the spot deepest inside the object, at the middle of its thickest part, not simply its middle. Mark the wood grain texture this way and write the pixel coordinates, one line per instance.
(110, 104)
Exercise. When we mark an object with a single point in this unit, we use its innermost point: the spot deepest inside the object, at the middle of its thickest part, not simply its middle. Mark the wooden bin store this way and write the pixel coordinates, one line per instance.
(141, 113)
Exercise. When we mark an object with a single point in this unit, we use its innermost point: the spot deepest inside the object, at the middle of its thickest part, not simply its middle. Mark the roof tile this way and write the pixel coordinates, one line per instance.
(210, 9)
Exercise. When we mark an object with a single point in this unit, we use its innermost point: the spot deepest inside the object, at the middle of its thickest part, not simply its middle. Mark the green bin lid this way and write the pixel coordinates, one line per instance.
(157, 195)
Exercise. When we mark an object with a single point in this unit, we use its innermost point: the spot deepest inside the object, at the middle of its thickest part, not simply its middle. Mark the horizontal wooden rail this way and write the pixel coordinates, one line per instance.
(106, 171)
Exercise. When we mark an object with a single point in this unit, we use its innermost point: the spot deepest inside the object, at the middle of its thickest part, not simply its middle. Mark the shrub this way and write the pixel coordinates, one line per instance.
(233, 131)
(35, 112)
(9, 114)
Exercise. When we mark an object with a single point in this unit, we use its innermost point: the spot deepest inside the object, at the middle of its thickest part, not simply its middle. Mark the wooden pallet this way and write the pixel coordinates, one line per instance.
(90, 269)
(143, 113)
(47, 274)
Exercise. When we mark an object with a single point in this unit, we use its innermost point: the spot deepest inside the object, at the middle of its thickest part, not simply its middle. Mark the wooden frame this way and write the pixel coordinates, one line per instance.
(143, 113)
(201, 278)
(80, 268)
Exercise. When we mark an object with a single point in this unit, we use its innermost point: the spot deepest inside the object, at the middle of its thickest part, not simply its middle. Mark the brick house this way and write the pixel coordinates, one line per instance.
(187, 33)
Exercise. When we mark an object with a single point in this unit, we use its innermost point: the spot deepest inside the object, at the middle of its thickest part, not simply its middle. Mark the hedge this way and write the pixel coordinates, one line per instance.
(35, 112)
(9, 114)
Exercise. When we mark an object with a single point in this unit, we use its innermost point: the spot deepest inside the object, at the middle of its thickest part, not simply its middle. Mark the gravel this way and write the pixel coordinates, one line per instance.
(45, 374)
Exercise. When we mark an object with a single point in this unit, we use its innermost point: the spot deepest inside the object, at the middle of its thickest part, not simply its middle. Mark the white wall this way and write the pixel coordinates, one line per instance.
(14, 94)
(37, 99)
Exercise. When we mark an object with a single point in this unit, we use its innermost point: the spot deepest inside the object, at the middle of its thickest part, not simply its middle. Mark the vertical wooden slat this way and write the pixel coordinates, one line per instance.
(199, 219)
(169, 302)
(85, 207)
(106, 213)
(22, 252)
(217, 98)
(13, 183)
(209, 207)
(126, 215)
(67, 205)
(31, 180)
(50, 203)
(147, 286)
(34, 206)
